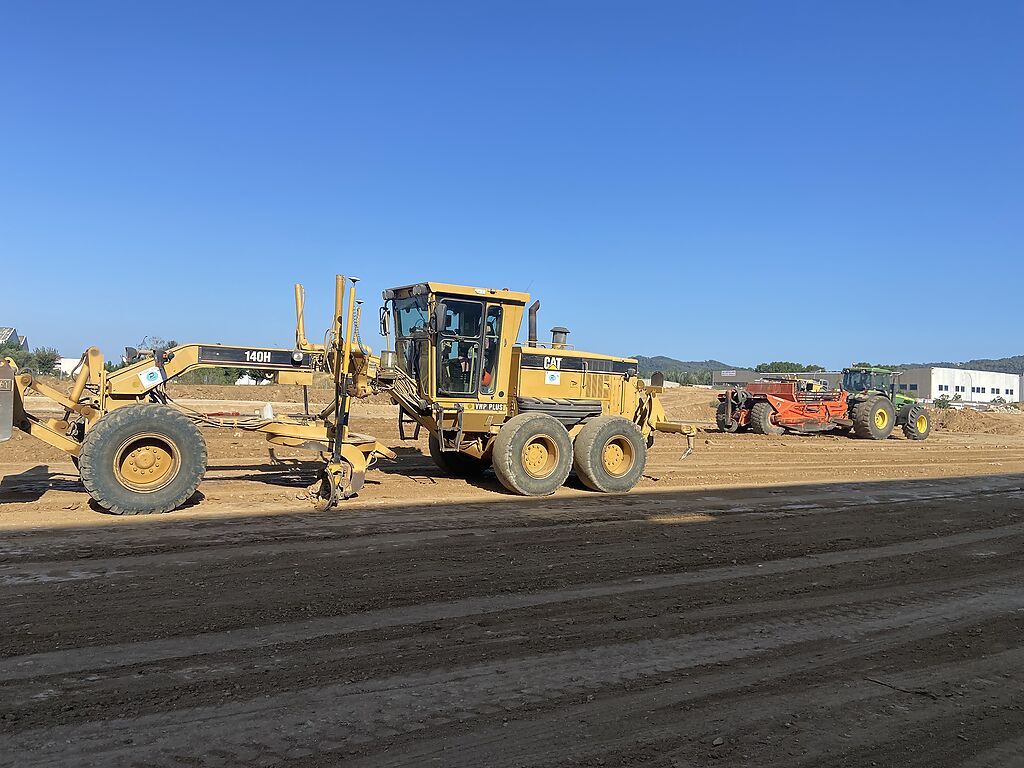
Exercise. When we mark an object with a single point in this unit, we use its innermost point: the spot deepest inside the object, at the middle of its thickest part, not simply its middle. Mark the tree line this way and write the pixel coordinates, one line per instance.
(44, 361)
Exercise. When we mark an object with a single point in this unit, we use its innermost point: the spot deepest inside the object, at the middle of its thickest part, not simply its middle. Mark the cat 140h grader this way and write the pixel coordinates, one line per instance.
(867, 403)
(532, 411)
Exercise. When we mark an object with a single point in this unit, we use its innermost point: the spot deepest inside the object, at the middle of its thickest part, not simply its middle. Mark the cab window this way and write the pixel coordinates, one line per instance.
(492, 345)
(458, 349)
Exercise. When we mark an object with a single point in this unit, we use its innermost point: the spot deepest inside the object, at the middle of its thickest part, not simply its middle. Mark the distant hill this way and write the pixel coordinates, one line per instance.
(1000, 365)
(649, 365)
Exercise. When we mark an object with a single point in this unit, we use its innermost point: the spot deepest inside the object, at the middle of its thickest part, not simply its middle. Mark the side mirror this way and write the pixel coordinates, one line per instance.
(657, 379)
(385, 322)
(437, 319)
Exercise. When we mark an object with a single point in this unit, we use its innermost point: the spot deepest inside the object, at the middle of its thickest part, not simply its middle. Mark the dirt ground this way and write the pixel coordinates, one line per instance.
(767, 601)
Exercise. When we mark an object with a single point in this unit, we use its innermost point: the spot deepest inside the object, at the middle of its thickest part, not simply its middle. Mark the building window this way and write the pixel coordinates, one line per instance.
(903, 386)
(995, 390)
(982, 390)
(913, 387)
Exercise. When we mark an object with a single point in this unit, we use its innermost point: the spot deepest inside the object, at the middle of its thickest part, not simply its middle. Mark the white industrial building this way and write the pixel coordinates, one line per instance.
(971, 386)
(921, 383)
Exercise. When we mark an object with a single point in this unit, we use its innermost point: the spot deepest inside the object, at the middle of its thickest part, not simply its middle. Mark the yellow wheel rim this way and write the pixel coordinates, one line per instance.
(922, 424)
(540, 456)
(618, 456)
(146, 463)
(881, 418)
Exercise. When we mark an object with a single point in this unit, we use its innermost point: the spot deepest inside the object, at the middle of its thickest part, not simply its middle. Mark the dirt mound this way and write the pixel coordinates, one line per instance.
(690, 403)
(968, 421)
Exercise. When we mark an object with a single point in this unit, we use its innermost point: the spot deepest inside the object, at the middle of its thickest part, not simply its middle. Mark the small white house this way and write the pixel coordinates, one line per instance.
(66, 365)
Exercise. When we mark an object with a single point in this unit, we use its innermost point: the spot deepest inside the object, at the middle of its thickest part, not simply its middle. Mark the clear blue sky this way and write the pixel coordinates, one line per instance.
(815, 181)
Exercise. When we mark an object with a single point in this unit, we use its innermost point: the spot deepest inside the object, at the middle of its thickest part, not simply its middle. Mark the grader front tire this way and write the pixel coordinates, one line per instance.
(610, 454)
(532, 454)
(142, 459)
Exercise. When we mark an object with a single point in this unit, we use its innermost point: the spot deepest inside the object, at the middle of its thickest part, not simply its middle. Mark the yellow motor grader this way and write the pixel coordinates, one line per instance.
(532, 411)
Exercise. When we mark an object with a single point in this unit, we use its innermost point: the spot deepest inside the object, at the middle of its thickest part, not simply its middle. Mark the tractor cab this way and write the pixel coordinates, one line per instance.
(864, 381)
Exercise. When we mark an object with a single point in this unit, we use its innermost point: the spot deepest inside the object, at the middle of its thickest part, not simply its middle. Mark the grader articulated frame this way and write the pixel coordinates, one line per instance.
(139, 452)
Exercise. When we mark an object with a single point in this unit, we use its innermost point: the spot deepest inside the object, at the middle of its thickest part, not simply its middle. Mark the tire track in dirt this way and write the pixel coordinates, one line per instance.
(211, 544)
(332, 717)
(103, 657)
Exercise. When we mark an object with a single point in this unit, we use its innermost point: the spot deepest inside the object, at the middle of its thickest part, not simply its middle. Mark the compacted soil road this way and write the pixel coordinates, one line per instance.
(770, 601)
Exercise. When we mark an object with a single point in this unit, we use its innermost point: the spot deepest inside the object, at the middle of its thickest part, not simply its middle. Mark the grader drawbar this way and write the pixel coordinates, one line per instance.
(534, 412)
(139, 452)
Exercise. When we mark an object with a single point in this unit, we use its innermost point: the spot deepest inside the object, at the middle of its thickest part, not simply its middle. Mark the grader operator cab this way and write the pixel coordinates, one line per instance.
(531, 411)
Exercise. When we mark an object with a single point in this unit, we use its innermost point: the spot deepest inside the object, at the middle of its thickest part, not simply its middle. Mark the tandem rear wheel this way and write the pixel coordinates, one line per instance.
(533, 454)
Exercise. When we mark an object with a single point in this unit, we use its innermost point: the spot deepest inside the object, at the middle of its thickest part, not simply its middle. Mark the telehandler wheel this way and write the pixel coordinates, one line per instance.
(874, 419)
(142, 459)
(456, 464)
(918, 424)
(723, 424)
(761, 423)
(609, 454)
(532, 454)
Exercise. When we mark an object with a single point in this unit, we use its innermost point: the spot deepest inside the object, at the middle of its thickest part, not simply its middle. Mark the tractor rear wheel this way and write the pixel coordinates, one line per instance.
(761, 420)
(532, 454)
(456, 464)
(918, 424)
(721, 420)
(142, 459)
(610, 454)
(874, 418)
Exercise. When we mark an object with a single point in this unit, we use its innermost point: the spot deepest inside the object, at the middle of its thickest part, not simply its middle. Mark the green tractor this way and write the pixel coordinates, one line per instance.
(875, 406)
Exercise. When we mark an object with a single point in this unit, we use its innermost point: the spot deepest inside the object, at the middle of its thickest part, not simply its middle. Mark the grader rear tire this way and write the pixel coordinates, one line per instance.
(610, 454)
(532, 454)
(142, 459)
(761, 420)
(456, 464)
(918, 423)
(874, 419)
